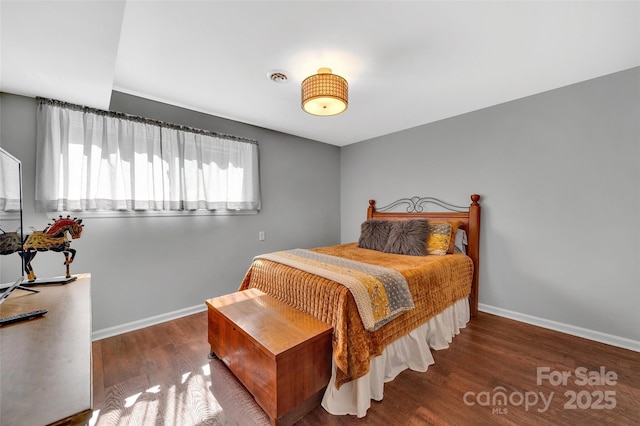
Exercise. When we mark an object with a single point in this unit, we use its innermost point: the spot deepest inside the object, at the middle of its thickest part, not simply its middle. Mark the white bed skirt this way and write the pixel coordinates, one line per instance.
(411, 351)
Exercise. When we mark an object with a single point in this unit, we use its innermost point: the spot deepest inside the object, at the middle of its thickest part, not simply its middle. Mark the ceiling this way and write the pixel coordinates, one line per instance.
(408, 63)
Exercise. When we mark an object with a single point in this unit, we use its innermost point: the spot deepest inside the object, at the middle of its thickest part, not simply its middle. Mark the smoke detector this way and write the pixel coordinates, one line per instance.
(277, 76)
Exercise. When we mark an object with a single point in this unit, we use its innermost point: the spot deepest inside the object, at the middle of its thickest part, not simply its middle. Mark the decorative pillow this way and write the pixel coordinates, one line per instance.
(408, 237)
(439, 238)
(461, 242)
(374, 234)
(454, 229)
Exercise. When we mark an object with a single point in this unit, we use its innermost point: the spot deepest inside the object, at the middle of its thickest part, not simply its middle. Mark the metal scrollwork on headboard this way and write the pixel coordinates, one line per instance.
(418, 205)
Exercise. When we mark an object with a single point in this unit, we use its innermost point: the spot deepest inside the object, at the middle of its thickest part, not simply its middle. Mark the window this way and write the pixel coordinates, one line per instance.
(92, 160)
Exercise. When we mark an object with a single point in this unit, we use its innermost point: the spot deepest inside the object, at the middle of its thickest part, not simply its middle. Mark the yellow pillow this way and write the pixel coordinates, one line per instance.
(454, 229)
(439, 238)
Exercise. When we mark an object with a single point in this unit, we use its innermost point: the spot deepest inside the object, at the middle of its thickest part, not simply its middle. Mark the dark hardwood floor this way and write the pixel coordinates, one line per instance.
(160, 375)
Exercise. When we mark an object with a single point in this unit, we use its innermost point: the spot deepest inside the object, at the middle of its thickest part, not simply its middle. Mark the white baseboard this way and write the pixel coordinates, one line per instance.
(610, 339)
(136, 325)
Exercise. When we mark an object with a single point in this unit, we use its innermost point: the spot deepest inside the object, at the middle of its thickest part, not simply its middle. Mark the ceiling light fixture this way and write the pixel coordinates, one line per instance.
(325, 93)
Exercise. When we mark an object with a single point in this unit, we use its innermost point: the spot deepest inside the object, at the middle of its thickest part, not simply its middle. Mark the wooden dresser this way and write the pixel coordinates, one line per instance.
(280, 354)
(45, 364)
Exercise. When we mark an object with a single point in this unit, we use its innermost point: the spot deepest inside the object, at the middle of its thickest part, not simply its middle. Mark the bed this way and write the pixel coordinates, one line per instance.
(443, 287)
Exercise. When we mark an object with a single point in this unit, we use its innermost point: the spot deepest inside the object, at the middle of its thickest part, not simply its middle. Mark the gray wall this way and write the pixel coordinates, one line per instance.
(143, 267)
(559, 174)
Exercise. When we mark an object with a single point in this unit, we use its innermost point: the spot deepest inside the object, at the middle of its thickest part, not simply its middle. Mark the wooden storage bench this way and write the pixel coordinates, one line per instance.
(280, 354)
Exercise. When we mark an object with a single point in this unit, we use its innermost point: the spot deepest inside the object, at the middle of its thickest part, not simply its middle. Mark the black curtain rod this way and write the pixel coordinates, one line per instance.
(144, 120)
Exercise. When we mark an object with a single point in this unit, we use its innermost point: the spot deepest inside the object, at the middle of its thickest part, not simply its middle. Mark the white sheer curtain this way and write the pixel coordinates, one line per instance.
(97, 160)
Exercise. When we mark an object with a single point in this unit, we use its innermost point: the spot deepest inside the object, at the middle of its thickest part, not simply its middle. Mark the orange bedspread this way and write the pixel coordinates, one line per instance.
(435, 282)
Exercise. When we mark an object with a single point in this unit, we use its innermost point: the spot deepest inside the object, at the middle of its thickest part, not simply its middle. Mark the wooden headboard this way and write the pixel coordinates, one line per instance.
(416, 208)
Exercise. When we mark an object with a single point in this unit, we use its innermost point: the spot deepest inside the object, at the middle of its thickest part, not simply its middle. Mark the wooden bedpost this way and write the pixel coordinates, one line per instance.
(371, 209)
(473, 250)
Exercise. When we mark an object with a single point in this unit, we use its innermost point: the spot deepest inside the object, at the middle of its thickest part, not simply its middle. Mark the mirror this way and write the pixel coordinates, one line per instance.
(11, 226)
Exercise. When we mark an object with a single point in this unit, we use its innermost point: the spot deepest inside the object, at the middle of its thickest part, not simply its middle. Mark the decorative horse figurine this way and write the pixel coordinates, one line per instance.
(53, 238)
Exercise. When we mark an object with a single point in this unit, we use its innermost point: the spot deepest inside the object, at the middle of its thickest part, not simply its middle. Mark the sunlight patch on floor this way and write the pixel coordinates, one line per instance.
(206, 370)
(187, 402)
(153, 389)
(128, 402)
(94, 418)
